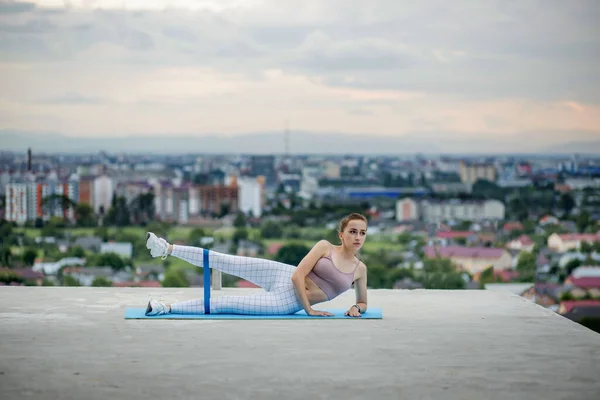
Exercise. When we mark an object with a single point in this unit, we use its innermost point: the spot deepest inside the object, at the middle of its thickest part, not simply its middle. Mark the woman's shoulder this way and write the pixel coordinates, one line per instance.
(323, 245)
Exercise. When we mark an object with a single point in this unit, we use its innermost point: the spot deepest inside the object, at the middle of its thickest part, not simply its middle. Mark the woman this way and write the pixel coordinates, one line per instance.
(323, 274)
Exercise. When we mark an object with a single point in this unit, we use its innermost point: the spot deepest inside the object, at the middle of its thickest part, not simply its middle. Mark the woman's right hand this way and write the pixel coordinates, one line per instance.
(317, 313)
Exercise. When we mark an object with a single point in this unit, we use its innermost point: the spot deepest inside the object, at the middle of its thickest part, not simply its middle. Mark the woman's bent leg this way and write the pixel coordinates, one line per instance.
(280, 301)
(267, 274)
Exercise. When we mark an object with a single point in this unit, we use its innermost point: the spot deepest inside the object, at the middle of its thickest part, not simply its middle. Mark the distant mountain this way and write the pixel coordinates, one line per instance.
(588, 147)
(300, 142)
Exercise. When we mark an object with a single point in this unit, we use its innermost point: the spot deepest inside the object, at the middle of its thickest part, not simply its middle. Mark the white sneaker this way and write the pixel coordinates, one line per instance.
(158, 246)
(156, 308)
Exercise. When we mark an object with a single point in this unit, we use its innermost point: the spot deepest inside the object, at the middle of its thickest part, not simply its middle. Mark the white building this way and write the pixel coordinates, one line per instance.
(251, 194)
(124, 249)
(103, 193)
(451, 210)
(16, 202)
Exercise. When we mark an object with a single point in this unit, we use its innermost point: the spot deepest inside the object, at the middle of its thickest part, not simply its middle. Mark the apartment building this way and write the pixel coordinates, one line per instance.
(471, 172)
(435, 211)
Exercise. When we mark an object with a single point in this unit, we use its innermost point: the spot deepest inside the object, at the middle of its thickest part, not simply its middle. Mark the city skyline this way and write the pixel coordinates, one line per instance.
(465, 78)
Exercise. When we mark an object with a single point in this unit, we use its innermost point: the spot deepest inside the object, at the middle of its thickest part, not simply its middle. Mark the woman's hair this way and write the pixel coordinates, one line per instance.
(351, 217)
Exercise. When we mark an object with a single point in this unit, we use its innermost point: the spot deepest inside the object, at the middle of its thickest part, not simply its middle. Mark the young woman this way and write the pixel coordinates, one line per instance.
(323, 274)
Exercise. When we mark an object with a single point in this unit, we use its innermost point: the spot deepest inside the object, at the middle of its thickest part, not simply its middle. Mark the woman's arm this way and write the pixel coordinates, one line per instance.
(360, 287)
(306, 265)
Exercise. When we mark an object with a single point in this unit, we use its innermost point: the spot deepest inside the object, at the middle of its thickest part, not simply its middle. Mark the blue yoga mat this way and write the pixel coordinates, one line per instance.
(138, 313)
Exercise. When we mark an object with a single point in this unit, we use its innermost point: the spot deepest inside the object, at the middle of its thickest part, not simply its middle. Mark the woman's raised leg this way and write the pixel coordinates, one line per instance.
(267, 274)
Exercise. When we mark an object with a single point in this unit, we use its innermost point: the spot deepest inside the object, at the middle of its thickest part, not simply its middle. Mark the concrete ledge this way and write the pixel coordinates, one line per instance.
(73, 343)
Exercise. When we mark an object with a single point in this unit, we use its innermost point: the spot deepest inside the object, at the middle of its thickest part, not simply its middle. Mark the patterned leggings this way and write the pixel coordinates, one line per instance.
(278, 298)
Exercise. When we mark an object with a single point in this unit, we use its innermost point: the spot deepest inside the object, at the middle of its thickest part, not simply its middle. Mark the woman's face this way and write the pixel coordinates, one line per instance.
(354, 234)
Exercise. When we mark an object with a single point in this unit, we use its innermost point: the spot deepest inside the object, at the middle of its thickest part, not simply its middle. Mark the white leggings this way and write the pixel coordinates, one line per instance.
(275, 277)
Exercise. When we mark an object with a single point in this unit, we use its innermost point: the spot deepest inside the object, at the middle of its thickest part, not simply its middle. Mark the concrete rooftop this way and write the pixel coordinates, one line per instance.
(73, 343)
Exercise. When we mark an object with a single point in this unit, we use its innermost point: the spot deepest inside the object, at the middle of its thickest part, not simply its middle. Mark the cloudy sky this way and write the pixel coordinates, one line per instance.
(466, 69)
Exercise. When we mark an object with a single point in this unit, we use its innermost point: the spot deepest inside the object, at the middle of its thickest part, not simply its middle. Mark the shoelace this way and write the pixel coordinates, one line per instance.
(166, 251)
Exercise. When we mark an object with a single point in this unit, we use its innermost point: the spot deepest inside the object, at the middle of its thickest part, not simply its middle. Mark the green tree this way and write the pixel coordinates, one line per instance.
(76, 251)
(440, 273)
(101, 281)
(292, 232)
(68, 280)
(113, 260)
(103, 233)
(240, 220)
(8, 277)
(84, 214)
(271, 230)
(586, 248)
(5, 256)
(142, 208)
(195, 235)
(583, 221)
(292, 253)
(159, 228)
(240, 234)
(175, 277)
(118, 213)
(567, 203)
(58, 201)
(571, 265)
(485, 189)
(378, 277)
(29, 256)
(526, 262)
(487, 276)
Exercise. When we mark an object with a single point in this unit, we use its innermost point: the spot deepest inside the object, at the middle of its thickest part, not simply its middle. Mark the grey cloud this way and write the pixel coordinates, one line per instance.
(320, 52)
(180, 34)
(14, 7)
(31, 26)
(73, 98)
(477, 50)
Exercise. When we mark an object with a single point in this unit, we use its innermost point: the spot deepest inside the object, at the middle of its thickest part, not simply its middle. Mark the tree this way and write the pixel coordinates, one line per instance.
(378, 277)
(240, 234)
(76, 251)
(271, 230)
(487, 276)
(112, 260)
(8, 277)
(240, 220)
(526, 262)
(292, 253)
(5, 256)
(142, 208)
(583, 221)
(55, 200)
(567, 203)
(485, 189)
(440, 273)
(84, 214)
(68, 280)
(586, 247)
(175, 277)
(101, 281)
(119, 213)
(195, 235)
(29, 256)
(571, 265)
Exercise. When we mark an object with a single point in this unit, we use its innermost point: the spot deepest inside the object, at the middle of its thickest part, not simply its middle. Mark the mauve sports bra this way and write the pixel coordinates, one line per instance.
(329, 279)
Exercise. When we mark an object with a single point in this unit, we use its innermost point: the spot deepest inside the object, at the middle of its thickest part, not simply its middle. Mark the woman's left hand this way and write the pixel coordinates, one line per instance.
(352, 312)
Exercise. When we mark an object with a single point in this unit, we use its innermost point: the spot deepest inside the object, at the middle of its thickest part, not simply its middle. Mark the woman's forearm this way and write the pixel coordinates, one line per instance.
(301, 293)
